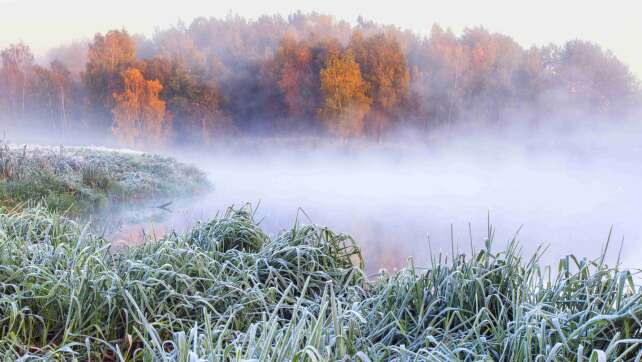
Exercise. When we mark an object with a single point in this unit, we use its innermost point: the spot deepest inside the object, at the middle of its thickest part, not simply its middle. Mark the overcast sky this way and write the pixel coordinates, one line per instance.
(614, 24)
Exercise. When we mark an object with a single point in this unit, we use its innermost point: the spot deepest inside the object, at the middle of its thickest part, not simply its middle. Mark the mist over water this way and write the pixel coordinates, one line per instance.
(564, 189)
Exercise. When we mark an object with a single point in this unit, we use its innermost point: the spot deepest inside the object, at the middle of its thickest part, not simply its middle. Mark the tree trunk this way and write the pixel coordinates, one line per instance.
(62, 105)
(24, 86)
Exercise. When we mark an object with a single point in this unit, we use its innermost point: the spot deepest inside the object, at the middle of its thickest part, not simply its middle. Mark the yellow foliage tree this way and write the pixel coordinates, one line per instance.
(385, 71)
(139, 113)
(344, 101)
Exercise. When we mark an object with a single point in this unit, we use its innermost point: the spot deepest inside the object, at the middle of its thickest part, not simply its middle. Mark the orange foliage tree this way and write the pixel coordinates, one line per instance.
(384, 68)
(107, 57)
(297, 77)
(344, 101)
(139, 113)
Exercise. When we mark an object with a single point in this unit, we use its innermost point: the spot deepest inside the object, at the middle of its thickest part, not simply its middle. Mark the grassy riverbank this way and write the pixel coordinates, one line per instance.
(82, 181)
(227, 291)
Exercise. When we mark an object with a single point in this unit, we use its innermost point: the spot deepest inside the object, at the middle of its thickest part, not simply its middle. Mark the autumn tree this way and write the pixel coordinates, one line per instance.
(593, 78)
(344, 101)
(139, 113)
(384, 69)
(193, 103)
(207, 120)
(34, 93)
(176, 46)
(61, 82)
(53, 95)
(198, 113)
(438, 78)
(17, 64)
(42, 97)
(107, 57)
(496, 61)
(298, 67)
(297, 78)
(73, 56)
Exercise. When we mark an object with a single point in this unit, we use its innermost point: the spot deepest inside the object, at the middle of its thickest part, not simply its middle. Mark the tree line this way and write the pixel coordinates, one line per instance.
(307, 73)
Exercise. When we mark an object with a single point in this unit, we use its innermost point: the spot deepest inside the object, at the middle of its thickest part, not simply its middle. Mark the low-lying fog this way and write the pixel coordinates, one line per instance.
(566, 191)
(565, 188)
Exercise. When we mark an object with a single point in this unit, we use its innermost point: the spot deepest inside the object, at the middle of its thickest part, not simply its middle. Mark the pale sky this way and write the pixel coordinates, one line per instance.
(615, 24)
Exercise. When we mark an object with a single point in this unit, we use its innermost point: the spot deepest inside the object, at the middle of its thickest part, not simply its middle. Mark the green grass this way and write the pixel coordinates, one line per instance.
(82, 181)
(227, 291)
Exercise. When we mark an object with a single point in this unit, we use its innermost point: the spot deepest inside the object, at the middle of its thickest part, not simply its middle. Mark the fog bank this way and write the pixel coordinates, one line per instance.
(564, 188)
